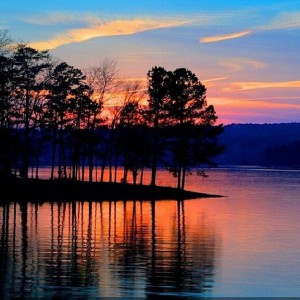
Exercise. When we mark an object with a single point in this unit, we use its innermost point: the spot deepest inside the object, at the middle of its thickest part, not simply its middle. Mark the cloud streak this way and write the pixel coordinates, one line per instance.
(243, 86)
(241, 63)
(283, 21)
(219, 38)
(104, 29)
(54, 18)
(248, 106)
(289, 20)
(215, 79)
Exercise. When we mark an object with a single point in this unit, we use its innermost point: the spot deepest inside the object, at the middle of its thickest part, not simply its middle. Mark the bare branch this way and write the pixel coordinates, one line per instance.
(6, 42)
(103, 79)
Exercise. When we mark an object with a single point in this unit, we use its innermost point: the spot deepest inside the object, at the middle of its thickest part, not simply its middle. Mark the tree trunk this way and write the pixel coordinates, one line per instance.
(154, 157)
(102, 172)
(125, 175)
(37, 166)
(179, 178)
(134, 176)
(91, 161)
(142, 176)
(183, 178)
(53, 157)
(82, 169)
(110, 165)
(64, 161)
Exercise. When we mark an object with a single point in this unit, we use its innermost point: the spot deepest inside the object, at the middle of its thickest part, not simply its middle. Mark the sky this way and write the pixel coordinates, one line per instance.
(245, 52)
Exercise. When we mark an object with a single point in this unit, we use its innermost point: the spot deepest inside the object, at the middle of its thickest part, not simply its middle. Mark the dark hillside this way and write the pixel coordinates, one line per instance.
(260, 144)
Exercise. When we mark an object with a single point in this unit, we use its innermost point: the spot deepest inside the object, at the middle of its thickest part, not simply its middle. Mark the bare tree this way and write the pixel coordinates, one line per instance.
(102, 78)
(6, 42)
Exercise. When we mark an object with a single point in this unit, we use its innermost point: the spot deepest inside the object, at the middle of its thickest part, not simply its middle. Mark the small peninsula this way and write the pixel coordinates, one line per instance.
(38, 190)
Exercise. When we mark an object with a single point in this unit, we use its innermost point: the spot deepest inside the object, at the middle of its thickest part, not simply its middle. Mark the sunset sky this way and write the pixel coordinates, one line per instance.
(245, 52)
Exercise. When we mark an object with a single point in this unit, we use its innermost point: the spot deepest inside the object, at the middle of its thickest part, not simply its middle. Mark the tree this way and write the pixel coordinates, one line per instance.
(6, 78)
(65, 84)
(7, 149)
(102, 78)
(29, 73)
(130, 127)
(177, 102)
(87, 117)
(135, 152)
(192, 122)
(158, 85)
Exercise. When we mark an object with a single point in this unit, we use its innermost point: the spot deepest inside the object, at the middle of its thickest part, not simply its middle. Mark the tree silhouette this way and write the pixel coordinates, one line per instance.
(65, 84)
(6, 112)
(131, 127)
(29, 70)
(103, 79)
(158, 86)
(132, 140)
(90, 118)
(178, 100)
(193, 121)
(9, 139)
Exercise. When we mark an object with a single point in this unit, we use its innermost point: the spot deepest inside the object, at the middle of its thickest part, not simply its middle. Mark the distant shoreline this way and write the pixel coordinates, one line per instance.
(40, 190)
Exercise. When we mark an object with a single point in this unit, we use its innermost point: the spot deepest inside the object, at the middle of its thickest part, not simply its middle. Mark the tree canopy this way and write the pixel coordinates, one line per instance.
(177, 101)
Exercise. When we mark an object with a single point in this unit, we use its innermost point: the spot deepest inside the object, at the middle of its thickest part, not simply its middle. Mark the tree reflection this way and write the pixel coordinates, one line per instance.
(4, 257)
(104, 249)
(181, 269)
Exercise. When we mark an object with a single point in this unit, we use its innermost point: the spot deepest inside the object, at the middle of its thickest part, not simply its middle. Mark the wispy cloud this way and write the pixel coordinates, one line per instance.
(110, 28)
(240, 104)
(253, 110)
(241, 63)
(242, 86)
(218, 38)
(288, 20)
(283, 21)
(215, 79)
(57, 17)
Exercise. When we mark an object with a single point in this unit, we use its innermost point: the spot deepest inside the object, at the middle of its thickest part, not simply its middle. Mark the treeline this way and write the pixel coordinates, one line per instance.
(284, 155)
(268, 145)
(90, 119)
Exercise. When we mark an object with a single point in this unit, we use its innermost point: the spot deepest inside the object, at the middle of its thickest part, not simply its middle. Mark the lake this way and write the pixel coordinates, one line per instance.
(246, 244)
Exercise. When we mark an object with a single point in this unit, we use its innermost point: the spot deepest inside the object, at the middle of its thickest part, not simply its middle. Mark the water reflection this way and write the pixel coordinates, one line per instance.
(103, 249)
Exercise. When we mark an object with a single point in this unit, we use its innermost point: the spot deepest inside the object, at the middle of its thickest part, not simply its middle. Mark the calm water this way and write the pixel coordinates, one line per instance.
(245, 244)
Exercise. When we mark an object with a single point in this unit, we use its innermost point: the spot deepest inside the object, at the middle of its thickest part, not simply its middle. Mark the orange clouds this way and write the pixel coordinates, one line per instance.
(236, 110)
(251, 103)
(219, 38)
(111, 28)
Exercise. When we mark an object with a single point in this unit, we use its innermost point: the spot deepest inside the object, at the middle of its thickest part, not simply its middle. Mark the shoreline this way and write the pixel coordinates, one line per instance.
(43, 190)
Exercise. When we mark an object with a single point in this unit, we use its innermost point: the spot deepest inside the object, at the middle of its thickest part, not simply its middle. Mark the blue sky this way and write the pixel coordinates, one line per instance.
(245, 52)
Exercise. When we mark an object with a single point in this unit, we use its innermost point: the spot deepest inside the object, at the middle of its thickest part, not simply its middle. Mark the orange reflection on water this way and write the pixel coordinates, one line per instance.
(149, 247)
